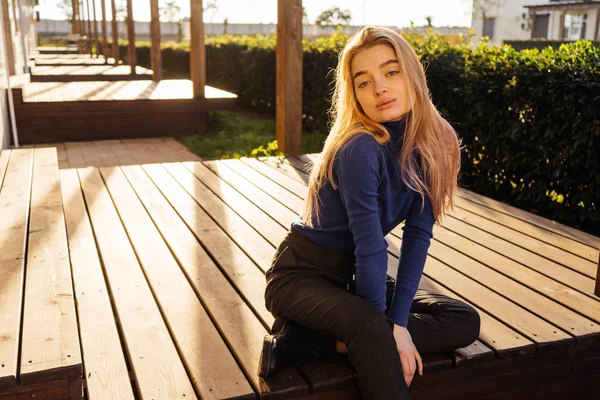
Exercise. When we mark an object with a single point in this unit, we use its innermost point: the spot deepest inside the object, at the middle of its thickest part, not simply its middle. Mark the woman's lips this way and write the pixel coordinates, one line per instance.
(386, 105)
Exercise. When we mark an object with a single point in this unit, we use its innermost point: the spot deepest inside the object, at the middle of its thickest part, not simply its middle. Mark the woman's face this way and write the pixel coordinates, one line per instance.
(380, 86)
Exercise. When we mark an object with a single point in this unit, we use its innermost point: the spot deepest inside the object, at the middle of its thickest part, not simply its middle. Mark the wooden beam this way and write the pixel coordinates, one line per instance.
(89, 26)
(289, 76)
(75, 17)
(96, 39)
(10, 56)
(155, 58)
(81, 18)
(197, 51)
(131, 55)
(533, 16)
(115, 32)
(104, 33)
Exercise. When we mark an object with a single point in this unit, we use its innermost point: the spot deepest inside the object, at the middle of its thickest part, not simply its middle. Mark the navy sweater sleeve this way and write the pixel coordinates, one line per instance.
(358, 168)
(416, 238)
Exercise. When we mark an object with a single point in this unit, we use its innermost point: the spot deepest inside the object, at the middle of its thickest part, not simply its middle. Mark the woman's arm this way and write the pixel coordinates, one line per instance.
(416, 238)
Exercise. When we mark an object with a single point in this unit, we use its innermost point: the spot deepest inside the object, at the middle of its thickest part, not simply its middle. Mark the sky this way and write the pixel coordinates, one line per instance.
(364, 12)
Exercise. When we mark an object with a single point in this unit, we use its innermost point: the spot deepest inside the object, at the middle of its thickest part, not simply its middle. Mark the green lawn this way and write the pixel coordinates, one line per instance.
(234, 134)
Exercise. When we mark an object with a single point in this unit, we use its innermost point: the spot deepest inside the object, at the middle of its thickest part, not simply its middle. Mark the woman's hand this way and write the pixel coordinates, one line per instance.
(409, 356)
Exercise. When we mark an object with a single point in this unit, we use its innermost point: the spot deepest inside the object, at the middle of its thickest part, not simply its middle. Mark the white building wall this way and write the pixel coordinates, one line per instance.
(509, 18)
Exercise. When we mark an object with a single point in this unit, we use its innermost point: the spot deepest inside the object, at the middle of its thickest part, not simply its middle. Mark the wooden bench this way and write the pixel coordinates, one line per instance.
(40, 354)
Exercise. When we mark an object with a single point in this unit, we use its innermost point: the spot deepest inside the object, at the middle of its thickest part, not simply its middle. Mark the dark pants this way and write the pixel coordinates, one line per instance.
(312, 285)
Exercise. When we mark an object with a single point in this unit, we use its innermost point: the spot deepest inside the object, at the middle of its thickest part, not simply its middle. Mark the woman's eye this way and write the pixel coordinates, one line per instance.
(363, 84)
(392, 73)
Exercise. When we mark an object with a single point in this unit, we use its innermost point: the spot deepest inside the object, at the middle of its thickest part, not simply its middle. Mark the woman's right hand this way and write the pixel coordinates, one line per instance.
(409, 356)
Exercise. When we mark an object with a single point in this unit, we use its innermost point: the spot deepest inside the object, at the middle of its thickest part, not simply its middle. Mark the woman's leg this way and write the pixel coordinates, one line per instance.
(439, 323)
(321, 306)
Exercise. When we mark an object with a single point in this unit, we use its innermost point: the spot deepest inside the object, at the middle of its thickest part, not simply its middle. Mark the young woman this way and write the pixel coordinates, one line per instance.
(389, 157)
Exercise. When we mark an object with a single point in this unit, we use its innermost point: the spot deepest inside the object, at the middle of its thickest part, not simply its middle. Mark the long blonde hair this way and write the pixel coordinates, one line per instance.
(426, 132)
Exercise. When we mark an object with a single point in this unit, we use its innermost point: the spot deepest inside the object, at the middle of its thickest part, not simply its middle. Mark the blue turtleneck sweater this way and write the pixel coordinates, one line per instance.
(370, 201)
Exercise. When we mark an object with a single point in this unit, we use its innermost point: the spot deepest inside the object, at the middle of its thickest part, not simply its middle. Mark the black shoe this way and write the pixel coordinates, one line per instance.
(291, 344)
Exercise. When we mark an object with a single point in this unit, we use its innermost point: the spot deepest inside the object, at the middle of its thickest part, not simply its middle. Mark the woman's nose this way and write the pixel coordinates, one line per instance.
(379, 87)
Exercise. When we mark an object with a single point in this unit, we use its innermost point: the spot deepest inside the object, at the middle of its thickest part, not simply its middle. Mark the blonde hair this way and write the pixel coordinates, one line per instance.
(426, 132)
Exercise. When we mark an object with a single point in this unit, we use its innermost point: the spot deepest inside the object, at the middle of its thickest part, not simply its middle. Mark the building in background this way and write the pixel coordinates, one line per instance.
(536, 19)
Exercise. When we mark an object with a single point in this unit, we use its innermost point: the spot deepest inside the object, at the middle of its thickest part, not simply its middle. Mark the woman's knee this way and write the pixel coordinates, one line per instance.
(378, 329)
(469, 326)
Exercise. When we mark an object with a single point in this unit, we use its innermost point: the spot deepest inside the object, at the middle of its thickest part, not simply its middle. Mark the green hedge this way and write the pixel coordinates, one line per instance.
(529, 119)
(540, 44)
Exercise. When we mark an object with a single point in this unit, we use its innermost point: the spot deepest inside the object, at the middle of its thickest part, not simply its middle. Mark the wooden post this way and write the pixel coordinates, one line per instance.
(131, 38)
(532, 23)
(289, 76)
(197, 51)
(155, 58)
(96, 39)
(81, 18)
(89, 26)
(10, 56)
(104, 34)
(115, 32)
(75, 17)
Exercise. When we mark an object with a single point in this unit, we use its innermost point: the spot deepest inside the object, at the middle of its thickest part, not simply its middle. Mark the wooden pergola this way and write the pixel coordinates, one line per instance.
(289, 57)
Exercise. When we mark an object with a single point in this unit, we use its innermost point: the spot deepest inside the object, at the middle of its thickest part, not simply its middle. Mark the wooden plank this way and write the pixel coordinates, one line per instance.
(233, 262)
(58, 389)
(559, 291)
(272, 231)
(50, 337)
(210, 284)
(518, 254)
(536, 220)
(288, 96)
(527, 298)
(253, 244)
(14, 216)
(545, 335)
(155, 58)
(577, 248)
(207, 359)
(576, 263)
(276, 210)
(106, 372)
(153, 357)
(288, 199)
(4, 157)
(287, 182)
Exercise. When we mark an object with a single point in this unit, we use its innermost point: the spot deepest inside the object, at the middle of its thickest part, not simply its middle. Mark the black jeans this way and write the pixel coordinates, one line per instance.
(312, 285)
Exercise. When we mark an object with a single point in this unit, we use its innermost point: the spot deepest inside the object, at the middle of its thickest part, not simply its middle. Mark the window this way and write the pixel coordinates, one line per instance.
(574, 27)
(488, 27)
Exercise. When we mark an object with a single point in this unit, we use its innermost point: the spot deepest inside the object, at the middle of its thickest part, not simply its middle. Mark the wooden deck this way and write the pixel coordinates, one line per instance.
(77, 73)
(75, 111)
(206, 231)
(70, 59)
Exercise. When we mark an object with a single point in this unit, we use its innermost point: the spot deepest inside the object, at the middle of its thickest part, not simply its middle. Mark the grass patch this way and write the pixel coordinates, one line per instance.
(234, 134)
